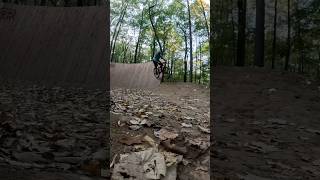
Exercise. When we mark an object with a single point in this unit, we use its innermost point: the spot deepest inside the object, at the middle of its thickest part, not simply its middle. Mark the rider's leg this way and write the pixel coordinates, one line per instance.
(161, 64)
(155, 63)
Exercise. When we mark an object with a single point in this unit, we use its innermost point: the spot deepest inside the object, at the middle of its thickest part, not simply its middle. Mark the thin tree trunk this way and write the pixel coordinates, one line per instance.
(116, 33)
(318, 64)
(234, 56)
(174, 71)
(164, 44)
(259, 45)
(125, 50)
(185, 75)
(205, 18)
(117, 29)
(300, 46)
(54, 2)
(138, 42)
(195, 66)
(114, 43)
(154, 29)
(171, 67)
(288, 39)
(43, 2)
(139, 52)
(185, 68)
(274, 42)
(190, 39)
(200, 64)
(79, 3)
(153, 46)
(66, 3)
(241, 33)
(185, 58)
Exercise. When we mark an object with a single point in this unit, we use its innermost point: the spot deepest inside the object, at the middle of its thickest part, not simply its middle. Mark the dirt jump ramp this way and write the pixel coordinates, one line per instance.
(64, 46)
(133, 76)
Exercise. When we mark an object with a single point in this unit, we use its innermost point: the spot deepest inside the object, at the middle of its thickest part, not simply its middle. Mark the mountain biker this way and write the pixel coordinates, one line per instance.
(156, 59)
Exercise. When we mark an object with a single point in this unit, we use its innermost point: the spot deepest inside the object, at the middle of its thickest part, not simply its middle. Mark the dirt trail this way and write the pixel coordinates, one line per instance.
(266, 125)
(172, 106)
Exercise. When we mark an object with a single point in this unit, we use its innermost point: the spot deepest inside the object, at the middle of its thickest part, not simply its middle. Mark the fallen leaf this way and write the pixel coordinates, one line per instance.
(134, 127)
(148, 164)
(149, 140)
(173, 148)
(131, 140)
(186, 125)
(205, 130)
(164, 134)
(113, 160)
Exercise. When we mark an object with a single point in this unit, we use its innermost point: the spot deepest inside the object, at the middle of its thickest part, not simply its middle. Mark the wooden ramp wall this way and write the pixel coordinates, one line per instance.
(64, 46)
(137, 76)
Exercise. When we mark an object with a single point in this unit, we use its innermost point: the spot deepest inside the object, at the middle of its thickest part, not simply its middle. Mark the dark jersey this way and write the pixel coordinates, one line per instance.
(157, 56)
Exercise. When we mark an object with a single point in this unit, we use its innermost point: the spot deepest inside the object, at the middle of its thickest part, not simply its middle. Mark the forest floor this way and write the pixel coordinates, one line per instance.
(266, 125)
(52, 133)
(173, 119)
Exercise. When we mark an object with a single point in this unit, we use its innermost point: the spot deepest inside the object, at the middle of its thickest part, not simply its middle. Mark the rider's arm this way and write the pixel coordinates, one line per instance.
(162, 58)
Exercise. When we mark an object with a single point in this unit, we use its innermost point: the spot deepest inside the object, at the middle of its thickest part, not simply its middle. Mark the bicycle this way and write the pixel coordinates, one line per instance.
(157, 71)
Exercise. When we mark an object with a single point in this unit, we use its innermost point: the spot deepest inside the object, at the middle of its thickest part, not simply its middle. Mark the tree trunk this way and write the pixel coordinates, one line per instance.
(318, 64)
(185, 58)
(139, 52)
(185, 71)
(43, 2)
(66, 3)
(164, 44)
(190, 39)
(114, 43)
(259, 49)
(185, 53)
(154, 29)
(241, 32)
(153, 46)
(205, 18)
(174, 71)
(79, 3)
(171, 67)
(117, 30)
(200, 63)
(286, 66)
(54, 2)
(138, 42)
(126, 46)
(274, 42)
(196, 54)
(300, 41)
(234, 56)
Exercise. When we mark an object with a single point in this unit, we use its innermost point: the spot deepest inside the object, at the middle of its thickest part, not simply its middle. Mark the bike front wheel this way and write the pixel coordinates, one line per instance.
(156, 73)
